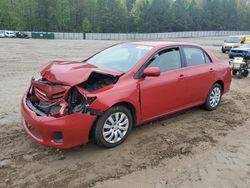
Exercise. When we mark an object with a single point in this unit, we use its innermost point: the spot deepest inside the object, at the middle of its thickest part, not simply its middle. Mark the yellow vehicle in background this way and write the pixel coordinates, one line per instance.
(234, 42)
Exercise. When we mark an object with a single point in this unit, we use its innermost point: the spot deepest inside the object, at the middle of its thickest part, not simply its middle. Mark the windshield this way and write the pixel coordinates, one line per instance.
(245, 46)
(233, 39)
(122, 57)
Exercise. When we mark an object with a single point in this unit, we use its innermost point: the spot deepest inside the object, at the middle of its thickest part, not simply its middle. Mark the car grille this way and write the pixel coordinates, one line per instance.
(49, 98)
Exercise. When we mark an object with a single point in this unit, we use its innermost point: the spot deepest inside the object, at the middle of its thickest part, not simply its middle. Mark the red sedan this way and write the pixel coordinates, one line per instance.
(120, 87)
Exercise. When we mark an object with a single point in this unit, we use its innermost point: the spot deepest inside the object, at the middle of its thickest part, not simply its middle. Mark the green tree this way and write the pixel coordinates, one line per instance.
(124, 15)
(86, 25)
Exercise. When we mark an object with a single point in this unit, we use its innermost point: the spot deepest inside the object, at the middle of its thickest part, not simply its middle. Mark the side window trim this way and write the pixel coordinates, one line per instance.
(190, 46)
(206, 55)
(138, 75)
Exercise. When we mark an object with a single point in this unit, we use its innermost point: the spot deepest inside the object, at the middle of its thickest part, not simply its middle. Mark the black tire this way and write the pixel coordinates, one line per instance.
(234, 72)
(245, 73)
(222, 50)
(208, 106)
(99, 126)
(240, 75)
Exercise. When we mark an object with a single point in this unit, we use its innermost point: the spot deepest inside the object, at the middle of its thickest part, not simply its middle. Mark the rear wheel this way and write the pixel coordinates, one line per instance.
(214, 97)
(234, 72)
(245, 73)
(113, 127)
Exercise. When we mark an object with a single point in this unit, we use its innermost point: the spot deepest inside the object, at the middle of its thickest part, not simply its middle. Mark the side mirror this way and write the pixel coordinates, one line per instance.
(151, 72)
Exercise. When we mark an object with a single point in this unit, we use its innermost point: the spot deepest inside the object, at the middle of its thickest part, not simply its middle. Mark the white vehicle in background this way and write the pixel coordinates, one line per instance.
(2, 34)
(10, 34)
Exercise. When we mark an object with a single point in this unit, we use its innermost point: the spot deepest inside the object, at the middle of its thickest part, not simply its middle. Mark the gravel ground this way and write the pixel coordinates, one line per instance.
(193, 148)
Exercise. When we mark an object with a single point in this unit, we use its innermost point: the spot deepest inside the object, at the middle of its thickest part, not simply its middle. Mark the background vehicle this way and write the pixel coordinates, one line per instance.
(2, 34)
(240, 67)
(241, 60)
(10, 34)
(234, 42)
(120, 87)
(21, 35)
(242, 51)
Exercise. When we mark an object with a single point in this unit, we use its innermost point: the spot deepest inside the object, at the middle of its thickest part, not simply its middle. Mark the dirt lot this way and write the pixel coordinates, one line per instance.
(194, 148)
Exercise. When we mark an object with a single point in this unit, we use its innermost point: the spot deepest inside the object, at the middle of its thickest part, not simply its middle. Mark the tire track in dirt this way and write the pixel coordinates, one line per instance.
(166, 138)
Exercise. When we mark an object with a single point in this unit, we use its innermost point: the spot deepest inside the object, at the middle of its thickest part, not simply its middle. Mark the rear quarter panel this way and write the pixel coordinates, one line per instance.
(223, 73)
(222, 70)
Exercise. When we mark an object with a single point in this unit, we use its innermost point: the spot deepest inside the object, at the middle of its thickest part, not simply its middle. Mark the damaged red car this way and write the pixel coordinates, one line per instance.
(123, 86)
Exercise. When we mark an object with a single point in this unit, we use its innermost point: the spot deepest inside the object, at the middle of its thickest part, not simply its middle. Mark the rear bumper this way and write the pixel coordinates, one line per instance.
(74, 128)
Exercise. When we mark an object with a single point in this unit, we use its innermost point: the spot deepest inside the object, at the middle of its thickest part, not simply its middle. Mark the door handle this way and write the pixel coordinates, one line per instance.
(181, 77)
(211, 70)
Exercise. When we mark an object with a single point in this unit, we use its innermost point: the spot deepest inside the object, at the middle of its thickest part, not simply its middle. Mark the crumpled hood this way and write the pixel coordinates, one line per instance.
(71, 72)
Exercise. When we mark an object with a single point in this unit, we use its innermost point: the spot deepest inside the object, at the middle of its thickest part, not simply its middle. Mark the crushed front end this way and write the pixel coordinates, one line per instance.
(57, 115)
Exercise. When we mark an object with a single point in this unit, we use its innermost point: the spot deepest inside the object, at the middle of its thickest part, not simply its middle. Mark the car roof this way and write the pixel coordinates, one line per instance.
(160, 43)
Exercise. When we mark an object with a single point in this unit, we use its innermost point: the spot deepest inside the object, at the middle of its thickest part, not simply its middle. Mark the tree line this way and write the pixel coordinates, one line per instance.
(124, 15)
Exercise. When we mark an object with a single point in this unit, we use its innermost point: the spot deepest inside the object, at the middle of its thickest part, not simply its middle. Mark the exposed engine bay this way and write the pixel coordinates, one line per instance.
(97, 81)
(50, 99)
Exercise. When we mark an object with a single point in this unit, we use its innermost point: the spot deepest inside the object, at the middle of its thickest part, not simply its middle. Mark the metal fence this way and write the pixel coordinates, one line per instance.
(150, 36)
(77, 36)
(58, 35)
(140, 36)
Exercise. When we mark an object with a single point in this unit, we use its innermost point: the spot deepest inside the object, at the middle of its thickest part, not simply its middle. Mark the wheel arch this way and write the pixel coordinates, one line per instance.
(130, 107)
(221, 83)
(126, 104)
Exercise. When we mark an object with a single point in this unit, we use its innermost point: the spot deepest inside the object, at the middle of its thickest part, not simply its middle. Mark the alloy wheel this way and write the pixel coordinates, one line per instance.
(115, 127)
(215, 97)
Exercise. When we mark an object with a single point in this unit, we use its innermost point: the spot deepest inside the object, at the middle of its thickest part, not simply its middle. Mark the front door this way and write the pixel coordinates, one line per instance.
(165, 93)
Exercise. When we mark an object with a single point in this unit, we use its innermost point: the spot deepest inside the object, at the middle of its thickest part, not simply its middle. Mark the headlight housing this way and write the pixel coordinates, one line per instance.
(79, 103)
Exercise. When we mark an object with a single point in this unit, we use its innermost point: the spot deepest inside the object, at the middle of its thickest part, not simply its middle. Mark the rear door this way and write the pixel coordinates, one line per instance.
(166, 93)
(199, 72)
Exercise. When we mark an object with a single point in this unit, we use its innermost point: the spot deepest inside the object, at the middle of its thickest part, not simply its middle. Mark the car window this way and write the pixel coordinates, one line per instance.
(167, 60)
(233, 39)
(121, 57)
(195, 56)
(208, 60)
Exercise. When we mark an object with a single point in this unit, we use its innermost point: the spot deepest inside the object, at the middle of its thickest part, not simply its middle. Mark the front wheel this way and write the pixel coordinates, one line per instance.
(222, 50)
(113, 127)
(214, 97)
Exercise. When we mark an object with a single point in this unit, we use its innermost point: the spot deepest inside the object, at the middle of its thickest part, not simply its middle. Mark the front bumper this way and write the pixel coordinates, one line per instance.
(74, 128)
(226, 48)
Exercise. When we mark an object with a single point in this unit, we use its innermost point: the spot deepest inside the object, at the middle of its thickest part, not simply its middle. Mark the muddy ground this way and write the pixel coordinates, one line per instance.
(194, 148)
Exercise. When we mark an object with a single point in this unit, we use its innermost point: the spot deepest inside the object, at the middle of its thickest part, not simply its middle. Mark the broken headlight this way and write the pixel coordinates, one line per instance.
(78, 103)
(36, 78)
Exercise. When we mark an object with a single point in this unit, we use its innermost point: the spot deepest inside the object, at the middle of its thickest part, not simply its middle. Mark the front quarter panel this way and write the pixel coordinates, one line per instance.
(125, 91)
